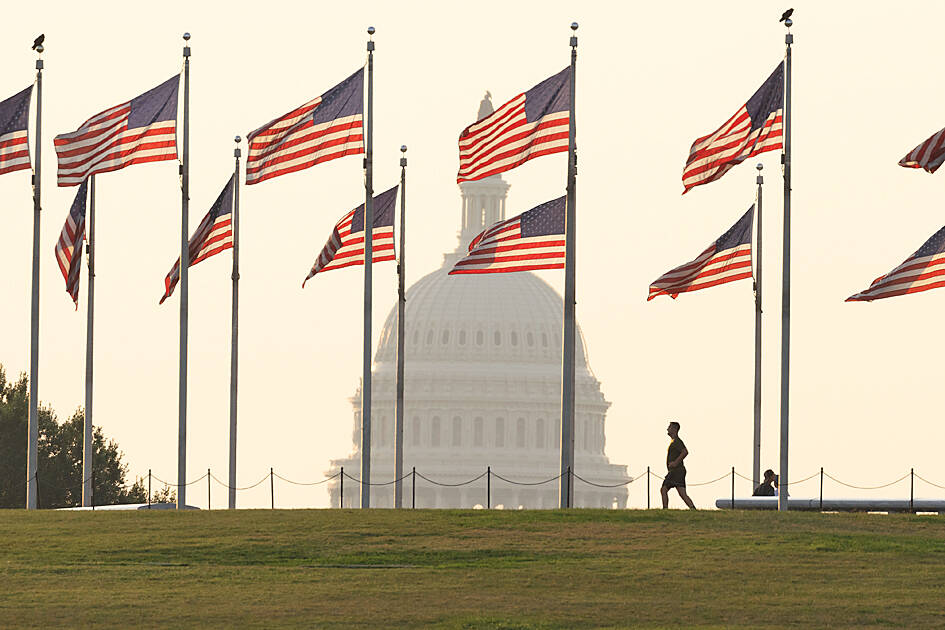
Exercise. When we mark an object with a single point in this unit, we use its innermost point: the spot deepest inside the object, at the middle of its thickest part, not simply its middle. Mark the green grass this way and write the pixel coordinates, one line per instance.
(470, 569)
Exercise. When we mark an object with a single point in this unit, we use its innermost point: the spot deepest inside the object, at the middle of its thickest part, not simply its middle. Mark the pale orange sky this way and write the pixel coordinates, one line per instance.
(651, 78)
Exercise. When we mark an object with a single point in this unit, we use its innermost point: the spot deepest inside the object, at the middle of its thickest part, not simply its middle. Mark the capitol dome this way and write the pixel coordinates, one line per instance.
(482, 388)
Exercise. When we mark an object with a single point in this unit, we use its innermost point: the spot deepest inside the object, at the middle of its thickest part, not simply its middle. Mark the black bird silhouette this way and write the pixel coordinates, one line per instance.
(786, 15)
(39, 41)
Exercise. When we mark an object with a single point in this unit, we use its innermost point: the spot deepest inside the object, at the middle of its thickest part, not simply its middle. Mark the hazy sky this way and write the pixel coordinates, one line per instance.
(651, 78)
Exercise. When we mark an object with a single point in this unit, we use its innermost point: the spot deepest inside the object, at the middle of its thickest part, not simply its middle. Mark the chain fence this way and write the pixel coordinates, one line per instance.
(490, 476)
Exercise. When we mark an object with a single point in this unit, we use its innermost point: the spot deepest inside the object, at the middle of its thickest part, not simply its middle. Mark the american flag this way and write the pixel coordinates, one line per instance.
(726, 260)
(141, 130)
(532, 240)
(14, 143)
(69, 246)
(928, 155)
(212, 236)
(921, 271)
(345, 246)
(323, 129)
(755, 128)
(532, 124)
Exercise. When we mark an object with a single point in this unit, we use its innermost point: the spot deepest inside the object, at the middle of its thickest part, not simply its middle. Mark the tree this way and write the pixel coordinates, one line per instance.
(59, 465)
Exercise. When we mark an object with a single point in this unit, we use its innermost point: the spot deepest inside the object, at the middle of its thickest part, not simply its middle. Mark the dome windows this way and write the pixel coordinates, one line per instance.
(514, 338)
(479, 338)
(445, 337)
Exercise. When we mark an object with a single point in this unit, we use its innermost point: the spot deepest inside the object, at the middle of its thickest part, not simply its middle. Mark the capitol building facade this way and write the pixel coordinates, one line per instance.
(482, 387)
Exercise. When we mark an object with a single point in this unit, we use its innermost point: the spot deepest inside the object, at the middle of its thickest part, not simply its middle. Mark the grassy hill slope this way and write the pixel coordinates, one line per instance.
(470, 569)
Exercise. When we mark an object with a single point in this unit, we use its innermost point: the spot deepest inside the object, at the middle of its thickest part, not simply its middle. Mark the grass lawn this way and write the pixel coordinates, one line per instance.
(470, 569)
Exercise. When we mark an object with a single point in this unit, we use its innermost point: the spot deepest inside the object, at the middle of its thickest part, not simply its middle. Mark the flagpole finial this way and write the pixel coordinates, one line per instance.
(186, 37)
(574, 26)
(236, 151)
(788, 23)
(39, 49)
(760, 166)
(403, 155)
(370, 44)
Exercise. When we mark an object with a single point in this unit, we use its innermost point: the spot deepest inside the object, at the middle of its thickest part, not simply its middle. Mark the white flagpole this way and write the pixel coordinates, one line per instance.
(88, 452)
(32, 452)
(756, 253)
(786, 276)
(565, 481)
(184, 264)
(368, 282)
(234, 334)
(401, 303)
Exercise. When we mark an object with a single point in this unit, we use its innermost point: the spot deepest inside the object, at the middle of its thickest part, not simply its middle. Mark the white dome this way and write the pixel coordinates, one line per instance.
(482, 387)
(495, 318)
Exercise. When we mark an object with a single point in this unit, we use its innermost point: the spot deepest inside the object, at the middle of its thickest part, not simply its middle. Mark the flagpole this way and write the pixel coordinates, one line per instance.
(565, 481)
(234, 335)
(184, 264)
(32, 454)
(88, 454)
(786, 275)
(368, 282)
(401, 303)
(756, 437)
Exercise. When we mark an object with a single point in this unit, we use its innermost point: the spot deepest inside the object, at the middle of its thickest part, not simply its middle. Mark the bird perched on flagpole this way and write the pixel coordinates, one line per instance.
(39, 41)
(786, 15)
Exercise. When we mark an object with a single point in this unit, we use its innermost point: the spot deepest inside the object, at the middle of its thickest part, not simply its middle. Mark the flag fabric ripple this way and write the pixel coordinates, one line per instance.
(532, 124)
(345, 246)
(328, 127)
(755, 128)
(921, 271)
(726, 260)
(69, 245)
(212, 236)
(929, 155)
(533, 240)
(14, 141)
(141, 130)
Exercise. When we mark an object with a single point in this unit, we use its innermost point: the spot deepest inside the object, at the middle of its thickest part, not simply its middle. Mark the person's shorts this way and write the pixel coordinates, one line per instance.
(675, 478)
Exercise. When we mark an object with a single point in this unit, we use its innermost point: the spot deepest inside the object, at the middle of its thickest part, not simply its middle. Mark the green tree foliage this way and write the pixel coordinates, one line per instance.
(60, 456)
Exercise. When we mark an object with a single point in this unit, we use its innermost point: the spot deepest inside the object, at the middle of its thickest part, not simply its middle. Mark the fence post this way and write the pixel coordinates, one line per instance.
(733, 487)
(272, 491)
(413, 489)
(570, 488)
(488, 487)
(36, 481)
(648, 487)
(821, 488)
(912, 490)
(149, 488)
(341, 502)
(208, 489)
